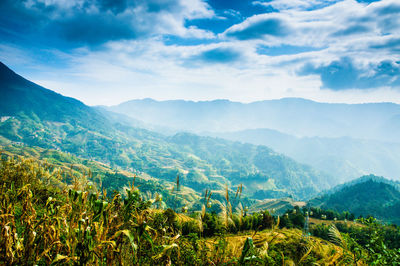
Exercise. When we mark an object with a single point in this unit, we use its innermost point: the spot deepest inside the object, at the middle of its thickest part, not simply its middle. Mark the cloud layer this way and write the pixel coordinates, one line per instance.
(327, 50)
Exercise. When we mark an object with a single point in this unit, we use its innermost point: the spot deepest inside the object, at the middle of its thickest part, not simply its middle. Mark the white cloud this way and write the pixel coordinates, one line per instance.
(295, 4)
(124, 70)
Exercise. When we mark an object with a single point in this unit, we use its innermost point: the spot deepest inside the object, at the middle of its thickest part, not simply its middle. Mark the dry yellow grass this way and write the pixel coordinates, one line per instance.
(180, 217)
(326, 252)
(329, 222)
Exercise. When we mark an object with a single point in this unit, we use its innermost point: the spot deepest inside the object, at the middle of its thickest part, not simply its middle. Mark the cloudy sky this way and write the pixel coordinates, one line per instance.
(109, 51)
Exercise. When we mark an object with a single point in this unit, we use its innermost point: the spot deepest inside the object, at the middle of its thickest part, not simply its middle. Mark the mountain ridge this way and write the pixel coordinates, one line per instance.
(294, 116)
(20, 94)
(298, 99)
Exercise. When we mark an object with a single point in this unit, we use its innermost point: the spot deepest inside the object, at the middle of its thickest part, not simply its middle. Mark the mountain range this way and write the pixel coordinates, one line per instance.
(344, 140)
(35, 116)
(293, 116)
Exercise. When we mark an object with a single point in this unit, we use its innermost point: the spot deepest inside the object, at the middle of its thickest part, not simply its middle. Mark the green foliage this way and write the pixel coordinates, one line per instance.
(356, 198)
(292, 218)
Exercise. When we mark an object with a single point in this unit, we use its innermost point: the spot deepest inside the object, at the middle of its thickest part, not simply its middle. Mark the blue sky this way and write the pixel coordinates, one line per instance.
(110, 51)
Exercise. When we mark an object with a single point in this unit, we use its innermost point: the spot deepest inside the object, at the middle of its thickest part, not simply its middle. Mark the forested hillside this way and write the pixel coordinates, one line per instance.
(369, 195)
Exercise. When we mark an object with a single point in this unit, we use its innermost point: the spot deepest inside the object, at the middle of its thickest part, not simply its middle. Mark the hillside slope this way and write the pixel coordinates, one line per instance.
(369, 195)
(19, 95)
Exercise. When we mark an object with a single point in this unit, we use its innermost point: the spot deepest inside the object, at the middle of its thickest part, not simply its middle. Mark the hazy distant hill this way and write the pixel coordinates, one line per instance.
(345, 140)
(344, 158)
(368, 195)
(294, 116)
(35, 116)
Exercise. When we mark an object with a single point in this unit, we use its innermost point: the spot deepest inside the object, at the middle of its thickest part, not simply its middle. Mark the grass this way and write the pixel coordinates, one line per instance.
(330, 222)
(289, 241)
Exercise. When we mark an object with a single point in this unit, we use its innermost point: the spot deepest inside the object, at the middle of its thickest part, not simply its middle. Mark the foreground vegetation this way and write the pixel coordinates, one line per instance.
(47, 217)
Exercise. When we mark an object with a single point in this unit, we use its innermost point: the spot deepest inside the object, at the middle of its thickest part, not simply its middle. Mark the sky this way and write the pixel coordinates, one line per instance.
(104, 52)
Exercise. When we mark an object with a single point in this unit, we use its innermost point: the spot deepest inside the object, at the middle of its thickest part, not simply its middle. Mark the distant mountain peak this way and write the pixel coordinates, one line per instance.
(7, 74)
(4, 67)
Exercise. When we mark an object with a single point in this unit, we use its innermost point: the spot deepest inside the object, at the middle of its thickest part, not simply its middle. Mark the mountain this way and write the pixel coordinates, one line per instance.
(344, 140)
(368, 195)
(34, 116)
(344, 158)
(294, 116)
(391, 127)
(362, 179)
(19, 95)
